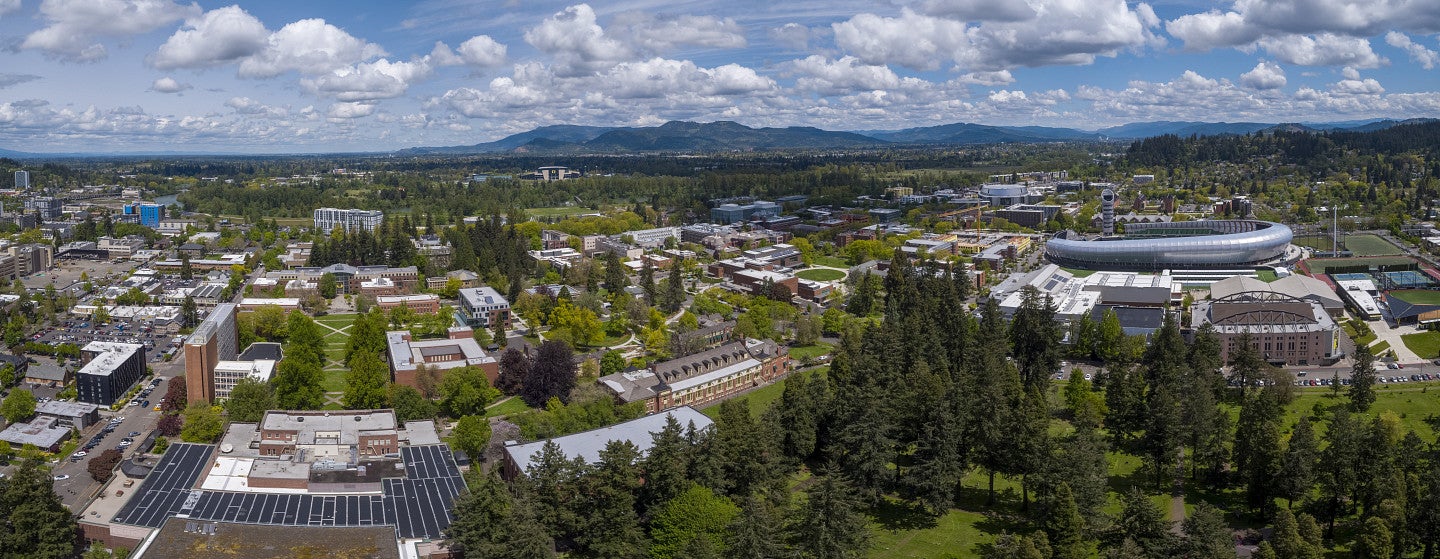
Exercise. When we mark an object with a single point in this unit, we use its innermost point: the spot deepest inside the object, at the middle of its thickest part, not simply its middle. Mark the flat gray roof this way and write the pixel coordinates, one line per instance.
(66, 409)
(588, 445)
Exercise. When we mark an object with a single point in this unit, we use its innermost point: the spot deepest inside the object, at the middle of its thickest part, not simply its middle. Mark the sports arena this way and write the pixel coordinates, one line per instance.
(1230, 243)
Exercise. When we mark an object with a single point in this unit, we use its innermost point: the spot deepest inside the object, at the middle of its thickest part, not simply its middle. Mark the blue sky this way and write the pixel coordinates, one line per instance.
(320, 76)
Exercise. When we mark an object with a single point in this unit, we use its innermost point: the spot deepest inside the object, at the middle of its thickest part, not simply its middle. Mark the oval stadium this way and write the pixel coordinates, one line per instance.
(1205, 244)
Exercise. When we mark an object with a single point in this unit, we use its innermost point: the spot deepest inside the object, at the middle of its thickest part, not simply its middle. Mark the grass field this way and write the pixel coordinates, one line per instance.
(1319, 265)
(760, 398)
(832, 261)
(1380, 348)
(820, 274)
(1424, 344)
(1078, 272)
(513, 405)
(1417, 296)
(1371, 245)
(558, 212)
(1317, 243)
(1266, 276)
(803, 352)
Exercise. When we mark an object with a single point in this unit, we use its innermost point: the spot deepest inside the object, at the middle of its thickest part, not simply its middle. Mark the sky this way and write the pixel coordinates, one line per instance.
(343, 76)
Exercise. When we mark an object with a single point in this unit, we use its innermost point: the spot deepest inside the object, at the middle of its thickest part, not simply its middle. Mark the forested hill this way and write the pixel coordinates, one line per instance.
(1299, 147)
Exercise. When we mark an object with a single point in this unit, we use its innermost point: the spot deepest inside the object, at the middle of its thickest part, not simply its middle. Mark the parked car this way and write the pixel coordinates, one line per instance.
(62, 477)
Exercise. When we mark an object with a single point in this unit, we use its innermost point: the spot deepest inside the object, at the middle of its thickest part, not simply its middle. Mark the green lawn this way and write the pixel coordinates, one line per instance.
(1417, 296)
(1077, 272)
(760, 398)
(1371, 245)
(1319, 265)
(337, 321)
(1317, 243)
(1424, 344)
(334, 381)
(1380, 348)
(832, 261)
(1413, 402)
(1266, 275)
(800, 353)
(513, 405)
(558, 212)
(820, 274)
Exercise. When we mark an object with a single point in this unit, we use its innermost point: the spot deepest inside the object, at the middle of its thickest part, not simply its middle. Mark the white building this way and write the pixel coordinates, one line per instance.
(327, 219)
(22, 180)
(229, 373)
(652, 238)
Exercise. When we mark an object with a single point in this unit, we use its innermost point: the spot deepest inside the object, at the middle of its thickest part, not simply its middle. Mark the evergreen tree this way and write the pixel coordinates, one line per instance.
(1362, 381)
(755, 533)
(33, 522)
(666, 466)
(862, 301)
(488, 523)
(1338, 463)
(674, 297)
(1015, 546)
(1207, 536)
(614, 273)
(189, 312)
(1288, 542)
(1297, 469)
(1144, 523)
(831, 525)
(1375, 541)
(647, 281)
(1065, 527)
(552, 483)
(691, 524)
(1258, 453)
(612, 527)
(1035, 340)
(746, 453)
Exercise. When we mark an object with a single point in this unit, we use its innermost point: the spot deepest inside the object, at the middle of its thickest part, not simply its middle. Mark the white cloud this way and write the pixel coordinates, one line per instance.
(578, 44)
(1266, 75)
(9, 6)
(660, 77)
(1251, 20)
(7, 80)
(792, 36)
(1425, 57)
(348, 111)
(370, 81)
(250, 107)
(1325, 49)
(975, 10)
(482, 51)
(308, 46)
(1000, 77)
(168, 85)
(73, 27)
(1357, 86)
(652, 33)
(217, 37)
(817, 73)
(1062, 32)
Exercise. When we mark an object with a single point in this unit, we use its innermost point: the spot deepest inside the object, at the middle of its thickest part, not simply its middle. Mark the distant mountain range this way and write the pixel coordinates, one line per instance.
(728, 136)
(683, 136)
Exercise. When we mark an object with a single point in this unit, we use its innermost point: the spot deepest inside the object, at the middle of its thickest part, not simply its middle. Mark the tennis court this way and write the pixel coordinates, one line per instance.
(1320, 265)
(1352, 277)
(1406, 279)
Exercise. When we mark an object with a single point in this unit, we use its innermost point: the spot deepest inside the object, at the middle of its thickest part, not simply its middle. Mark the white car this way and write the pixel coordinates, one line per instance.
(80, 454)
(62, 477)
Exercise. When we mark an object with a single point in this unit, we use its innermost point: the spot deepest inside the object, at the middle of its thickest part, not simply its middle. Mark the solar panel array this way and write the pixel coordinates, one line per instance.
(418, 505)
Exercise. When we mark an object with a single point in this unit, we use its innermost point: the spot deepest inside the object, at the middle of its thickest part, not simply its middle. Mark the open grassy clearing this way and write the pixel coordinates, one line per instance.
(1079, 273)
(820, 274)
(799, 353)
(1424, 344)
(1320, 265)
(1370, 245)
(1317, 243)
(1266, 276)
(513, 405)
(561, 211)
(1417, 296)
(761, 398)
(831, 261)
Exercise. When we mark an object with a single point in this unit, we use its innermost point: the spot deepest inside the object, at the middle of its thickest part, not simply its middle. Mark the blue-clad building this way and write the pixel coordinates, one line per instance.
(726, 214)
(149, 214)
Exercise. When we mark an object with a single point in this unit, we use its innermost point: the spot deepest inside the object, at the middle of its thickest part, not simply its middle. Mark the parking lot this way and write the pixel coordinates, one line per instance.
(81, 332)
(67, 272)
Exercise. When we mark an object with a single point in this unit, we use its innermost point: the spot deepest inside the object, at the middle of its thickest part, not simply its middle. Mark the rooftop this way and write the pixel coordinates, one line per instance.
(406, 354)
(65, 409)
(109, 355)
(587, 445)
(347, 423)
(181, 537)
(43, 432)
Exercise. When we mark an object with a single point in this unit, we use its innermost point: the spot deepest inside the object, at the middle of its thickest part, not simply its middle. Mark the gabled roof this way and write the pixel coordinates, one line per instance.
(1400, 308)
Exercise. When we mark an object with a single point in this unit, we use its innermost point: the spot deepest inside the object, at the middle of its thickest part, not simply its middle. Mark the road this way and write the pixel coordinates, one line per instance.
(76, 491)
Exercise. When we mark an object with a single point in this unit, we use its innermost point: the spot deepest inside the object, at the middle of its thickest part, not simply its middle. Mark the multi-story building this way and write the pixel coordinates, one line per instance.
(22, 180)
(173, 227)
(726, 214)
(230, 373)
(110, 369)
(703, 377)
(622, 249)
(756, 281)
(333, 434)
(327, 219)
(148, 215)
(122, 247)
(48, 207)
(424, 303)
(1283, 329)
(483, 307)
(586, 446)
(32, 258)
(349, 278)
(460, 349)
(653, 238)
(216, 339)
